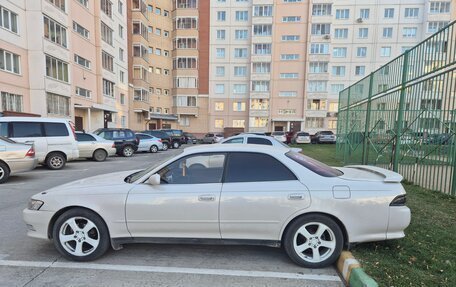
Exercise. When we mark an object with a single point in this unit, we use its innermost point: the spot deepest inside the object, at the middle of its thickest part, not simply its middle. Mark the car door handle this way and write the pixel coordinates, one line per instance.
(206, 197)
(296, 196)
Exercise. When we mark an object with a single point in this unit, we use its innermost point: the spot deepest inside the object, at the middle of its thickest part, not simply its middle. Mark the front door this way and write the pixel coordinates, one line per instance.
(78, 123)
(184, 205)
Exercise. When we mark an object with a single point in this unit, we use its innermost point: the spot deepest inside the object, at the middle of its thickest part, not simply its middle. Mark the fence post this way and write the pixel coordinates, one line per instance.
(365, 157)
(400, 116)
(453, 182)
(347, 147)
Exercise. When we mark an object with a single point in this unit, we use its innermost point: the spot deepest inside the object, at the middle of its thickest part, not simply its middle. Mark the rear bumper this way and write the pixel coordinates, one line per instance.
(399, 220)
(37, 222)
(302, 141)
(22, 165)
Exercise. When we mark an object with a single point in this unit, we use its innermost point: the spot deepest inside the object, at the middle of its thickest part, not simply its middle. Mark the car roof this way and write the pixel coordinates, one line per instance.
(249, 135)
(236, 148)
(33, 119)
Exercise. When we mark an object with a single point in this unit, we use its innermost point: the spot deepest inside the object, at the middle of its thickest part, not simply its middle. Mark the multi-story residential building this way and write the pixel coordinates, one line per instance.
(65, 60)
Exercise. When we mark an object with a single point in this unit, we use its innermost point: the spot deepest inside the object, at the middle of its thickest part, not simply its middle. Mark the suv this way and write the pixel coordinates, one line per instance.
(165, 138)
(125, 140)
(54, 140)
(177, 137)
(325, 137)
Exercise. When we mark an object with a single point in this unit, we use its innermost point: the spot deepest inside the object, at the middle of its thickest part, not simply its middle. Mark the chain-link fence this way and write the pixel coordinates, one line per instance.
(403, 115)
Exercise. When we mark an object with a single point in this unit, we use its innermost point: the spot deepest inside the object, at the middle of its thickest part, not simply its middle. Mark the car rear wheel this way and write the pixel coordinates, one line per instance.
(55, 161)
(165, 146)
(313, 241)
(80, 235)
(176, 145)
(4, 172)
(99, 155)
(128, 151)
(153, 149)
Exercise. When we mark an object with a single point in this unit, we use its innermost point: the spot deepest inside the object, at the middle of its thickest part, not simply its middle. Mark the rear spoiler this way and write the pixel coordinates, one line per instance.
(390, 176)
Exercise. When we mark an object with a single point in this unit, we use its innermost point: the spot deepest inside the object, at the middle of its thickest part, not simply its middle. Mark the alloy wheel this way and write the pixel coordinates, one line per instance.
(79, 236)
(314, 242)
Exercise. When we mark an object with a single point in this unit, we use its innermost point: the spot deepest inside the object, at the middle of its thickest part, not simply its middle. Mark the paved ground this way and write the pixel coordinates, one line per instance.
(32, 262)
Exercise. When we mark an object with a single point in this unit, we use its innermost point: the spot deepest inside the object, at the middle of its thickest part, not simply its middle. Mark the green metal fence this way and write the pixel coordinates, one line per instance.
(403, 115)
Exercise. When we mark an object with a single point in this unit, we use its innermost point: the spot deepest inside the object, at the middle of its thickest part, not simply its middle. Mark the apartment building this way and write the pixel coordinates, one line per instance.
(61, 59)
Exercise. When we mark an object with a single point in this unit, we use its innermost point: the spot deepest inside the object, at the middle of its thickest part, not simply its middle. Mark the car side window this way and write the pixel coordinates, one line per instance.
(252, 140)
(4, 129)
(27, 129)
(254, 167)
(194, 169)
(56, 130)
(84, 138)
(235, 140)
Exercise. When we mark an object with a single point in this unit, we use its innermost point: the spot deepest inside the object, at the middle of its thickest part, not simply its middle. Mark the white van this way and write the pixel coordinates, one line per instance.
(54, 139)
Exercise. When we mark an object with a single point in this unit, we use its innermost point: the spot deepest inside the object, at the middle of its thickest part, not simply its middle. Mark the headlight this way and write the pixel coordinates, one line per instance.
(34, 204)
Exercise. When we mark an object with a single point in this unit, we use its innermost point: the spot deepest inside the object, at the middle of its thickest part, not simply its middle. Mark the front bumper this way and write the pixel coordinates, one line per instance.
(37, 222)
(22, 165)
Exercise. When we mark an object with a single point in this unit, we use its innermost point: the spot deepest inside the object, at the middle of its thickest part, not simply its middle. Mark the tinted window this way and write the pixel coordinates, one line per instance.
(303, 134)
(106, 135)
(55, 130)
(26, 130)
(209, 135)
(258, 141)
(4, 129)
(84, 138)
(314, 165)
(129, 134)
(194, 169)
(235, 140)
(143, 136)
(251, 167)
(326, 133)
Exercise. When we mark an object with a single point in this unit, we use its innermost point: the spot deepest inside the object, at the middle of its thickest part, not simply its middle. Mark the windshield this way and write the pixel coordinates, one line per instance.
(314, 165)
(326, 133)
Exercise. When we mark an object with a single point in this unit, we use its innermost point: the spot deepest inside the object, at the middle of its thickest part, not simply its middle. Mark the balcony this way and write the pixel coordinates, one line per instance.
(259, 113)
(192, 111)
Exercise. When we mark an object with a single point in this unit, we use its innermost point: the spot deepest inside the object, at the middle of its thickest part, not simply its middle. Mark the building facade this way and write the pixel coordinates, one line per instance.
(62, 59)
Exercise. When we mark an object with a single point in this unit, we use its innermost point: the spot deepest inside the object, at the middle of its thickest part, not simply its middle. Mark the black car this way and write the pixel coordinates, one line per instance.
(165, 138)
(190, 139)
(177, 137)
(125, 140)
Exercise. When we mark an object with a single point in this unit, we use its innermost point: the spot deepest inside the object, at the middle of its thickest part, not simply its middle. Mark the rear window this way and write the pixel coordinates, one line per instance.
(314, 165)
(55, 130)
(26, 130)
(326, 133)
(303, 134)
(262, 141)
(209, 135)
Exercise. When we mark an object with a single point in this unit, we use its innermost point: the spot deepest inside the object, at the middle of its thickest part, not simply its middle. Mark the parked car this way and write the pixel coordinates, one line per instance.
(253, 194)
(190, 139)
(177, 137)
(125, 140)
(149, 143)
(325, 137)
(248, 138)
(94, 147)
(54, 140)
(15, 158)
(280, 136)
(212, 138)
(301, 138)
(165, 138)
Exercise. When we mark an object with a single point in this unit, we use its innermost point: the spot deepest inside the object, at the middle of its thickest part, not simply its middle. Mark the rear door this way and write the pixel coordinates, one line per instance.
(259, 194)
(58, 138)
(86, 145)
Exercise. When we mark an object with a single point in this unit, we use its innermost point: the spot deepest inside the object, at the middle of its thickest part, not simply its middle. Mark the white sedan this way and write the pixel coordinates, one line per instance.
(247, 138)
(227, 194)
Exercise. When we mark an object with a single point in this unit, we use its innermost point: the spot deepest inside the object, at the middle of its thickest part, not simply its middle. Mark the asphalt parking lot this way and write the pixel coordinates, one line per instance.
(32, 262)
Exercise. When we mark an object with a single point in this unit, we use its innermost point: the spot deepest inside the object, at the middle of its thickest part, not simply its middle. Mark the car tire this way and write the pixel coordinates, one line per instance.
(153, 149)
(176, 144)
(165, 146)
(128, 151)
(55, 161)
(80, 235)
(99, 155)
(4, 172)
(313, 241)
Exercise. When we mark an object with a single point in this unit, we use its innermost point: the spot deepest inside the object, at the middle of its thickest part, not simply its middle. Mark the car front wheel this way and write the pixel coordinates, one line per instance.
(176, 145)
(313, 241)
(128, 151)
(80, 235)
(165, 146)
(4, 172)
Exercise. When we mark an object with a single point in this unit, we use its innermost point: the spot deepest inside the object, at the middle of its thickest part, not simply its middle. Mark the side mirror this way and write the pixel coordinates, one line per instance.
(154, 179)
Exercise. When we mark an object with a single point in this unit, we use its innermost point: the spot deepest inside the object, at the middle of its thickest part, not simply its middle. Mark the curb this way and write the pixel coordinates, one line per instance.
(352, 273)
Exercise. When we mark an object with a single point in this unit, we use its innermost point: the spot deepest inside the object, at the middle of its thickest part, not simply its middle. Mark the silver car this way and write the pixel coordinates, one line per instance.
(213, 138)
(94, 147)
(15, 158)
(149, 143)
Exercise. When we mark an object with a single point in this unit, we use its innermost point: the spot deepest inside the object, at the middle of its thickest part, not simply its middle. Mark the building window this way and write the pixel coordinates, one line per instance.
(292, 19)
(239, 88)
(82, 61)
(315, 123)
(409, 32)
(389, 13)
(121, 54)
(220, 53)
(186, 82)
(185, 43)
(184, 121)
(107, 61)
(55, 32)
(120, 7)
(439, 7)
(58, 3)
(321, 9)
(360, 70)
(8, 20)
(319, 48)
(240, 71)
(185, 101)
(220, 71)
(387, 32)
(238, 123)
(290, 38)
(260, 86)
(106, 33)
(258, 122)
(385, 51)
(340, 52)
(219, 106)
(108, 88)
(221, 16)
(85, 3)
(57, 104)
(262, 30)
(341, 33)
(140, 29)
(289, 57)
(332, 124)
(186, 23)
(122, 76)
(318, 67)
(261, 68)
(56, 69)
(262, 11)
(259, 104)
(219, 88)
(241, 34)
(80, 30)
(262, 49)
(364, 13)
(363, 33)
(411, 12)
(221, 34)
(141, 95)
(321, 29)
(9, 62)
(12, 102)
(242, 16)
(361, 52)
(106, 7)
(288, 94)
(317, 86)
(289, 75)
(219, 124)
(83, 92)
(436, 26)
(121, 31)
(338, 71)
(336, 88)
(240, 53)
(342, 13)
(239, 106)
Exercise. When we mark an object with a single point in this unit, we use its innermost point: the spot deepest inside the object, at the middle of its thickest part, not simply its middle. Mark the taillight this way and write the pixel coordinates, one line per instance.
(113, 145)
(399, 200)
(30, 153)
